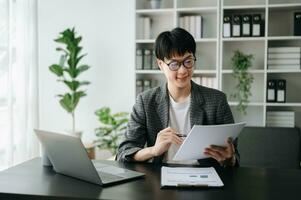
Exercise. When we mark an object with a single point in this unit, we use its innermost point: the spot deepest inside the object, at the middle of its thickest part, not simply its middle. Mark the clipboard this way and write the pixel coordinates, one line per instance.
(201, 137)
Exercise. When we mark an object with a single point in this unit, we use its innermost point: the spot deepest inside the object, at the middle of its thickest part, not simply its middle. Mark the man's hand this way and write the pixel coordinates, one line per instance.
(164, 139)
(224, 155)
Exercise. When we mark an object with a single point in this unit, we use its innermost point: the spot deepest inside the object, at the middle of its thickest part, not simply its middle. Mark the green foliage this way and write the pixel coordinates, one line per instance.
(68, 70)
(112, 126)
(240, 65)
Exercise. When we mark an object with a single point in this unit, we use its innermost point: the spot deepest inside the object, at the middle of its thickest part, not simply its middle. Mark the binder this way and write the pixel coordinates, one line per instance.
(297, 23)
(281, 91)
(271, 91)
(139, 59)
(146, 84)
(146, 28)
(236, 26)
(246, 25)
(147, 60)
(154, 60)
(139, 86)
(256, 25)
(227, 21)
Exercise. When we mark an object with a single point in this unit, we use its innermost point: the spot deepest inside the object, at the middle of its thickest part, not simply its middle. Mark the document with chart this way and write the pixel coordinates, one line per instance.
(190, 177)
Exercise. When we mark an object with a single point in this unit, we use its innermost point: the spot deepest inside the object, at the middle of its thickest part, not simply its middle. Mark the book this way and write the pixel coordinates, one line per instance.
(283, 61)
(284, 50)
(280, 113)
(284, 55)
(284, 67)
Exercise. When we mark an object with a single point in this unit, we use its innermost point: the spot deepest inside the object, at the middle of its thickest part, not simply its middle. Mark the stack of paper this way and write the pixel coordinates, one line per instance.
(280, 119)
(190, 177)
(287, 58)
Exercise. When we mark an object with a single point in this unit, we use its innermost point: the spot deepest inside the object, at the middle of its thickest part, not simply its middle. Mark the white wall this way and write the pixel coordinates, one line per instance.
(107, 28)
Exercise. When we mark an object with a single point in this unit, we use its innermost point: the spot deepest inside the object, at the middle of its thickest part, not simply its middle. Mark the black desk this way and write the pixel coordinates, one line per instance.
(32, 181)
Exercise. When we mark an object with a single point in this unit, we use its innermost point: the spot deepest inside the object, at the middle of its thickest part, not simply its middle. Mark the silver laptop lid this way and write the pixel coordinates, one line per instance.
(68, 156)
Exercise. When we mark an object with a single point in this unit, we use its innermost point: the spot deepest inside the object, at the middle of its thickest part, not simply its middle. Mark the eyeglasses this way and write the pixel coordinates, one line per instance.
(188, 63)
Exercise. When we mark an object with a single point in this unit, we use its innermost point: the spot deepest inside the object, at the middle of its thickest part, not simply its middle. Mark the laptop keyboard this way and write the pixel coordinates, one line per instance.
(106, 177)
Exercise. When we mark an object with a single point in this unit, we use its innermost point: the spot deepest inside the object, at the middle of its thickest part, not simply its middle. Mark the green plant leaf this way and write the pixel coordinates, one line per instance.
(66, 103)
(56, 69)
(73, 85)
(82, 68)
(240, 65)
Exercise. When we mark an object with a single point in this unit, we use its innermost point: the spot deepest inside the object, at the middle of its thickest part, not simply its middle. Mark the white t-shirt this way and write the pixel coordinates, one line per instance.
(179, 120)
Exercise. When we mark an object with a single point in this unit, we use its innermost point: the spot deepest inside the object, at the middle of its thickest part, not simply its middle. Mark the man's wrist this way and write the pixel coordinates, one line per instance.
(230, 161)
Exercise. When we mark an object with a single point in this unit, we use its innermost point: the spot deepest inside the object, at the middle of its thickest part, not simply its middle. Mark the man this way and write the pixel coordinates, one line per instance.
(162, 115)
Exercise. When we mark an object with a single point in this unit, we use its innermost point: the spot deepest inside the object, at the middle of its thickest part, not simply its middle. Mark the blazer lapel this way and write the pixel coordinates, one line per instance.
(163, 106)
(196, 106)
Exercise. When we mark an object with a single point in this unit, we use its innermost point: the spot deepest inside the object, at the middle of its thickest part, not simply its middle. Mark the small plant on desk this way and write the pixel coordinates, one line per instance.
(110, 133)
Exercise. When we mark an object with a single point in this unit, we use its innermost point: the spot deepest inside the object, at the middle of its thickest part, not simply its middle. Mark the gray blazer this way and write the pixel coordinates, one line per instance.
(151, 114)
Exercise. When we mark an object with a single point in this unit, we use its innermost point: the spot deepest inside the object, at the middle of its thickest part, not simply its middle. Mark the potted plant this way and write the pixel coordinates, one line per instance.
(109, 134)
(240, 65)
(68, 69)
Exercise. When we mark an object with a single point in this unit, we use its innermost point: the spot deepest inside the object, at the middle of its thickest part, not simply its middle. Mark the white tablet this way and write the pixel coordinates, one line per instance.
(201, 137)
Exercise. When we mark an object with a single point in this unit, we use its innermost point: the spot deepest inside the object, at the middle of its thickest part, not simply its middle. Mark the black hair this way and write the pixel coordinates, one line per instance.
(177, 41)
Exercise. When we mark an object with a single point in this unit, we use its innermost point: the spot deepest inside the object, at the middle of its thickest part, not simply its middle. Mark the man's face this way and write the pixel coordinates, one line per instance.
(176, 73)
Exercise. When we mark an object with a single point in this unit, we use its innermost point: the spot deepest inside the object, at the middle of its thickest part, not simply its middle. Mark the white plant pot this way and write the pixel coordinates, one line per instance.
(76, 133)
(102, 154)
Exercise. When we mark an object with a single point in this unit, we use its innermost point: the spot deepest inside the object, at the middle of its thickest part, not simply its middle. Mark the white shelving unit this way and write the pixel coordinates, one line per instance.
(214, 52)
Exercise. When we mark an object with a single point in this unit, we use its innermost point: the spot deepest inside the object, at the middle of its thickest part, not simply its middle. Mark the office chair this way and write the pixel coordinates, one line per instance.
(269, 147)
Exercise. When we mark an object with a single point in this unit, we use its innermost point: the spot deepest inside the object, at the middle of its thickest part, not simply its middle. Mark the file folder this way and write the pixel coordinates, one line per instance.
(297, 23)
(256, 25)
(281, 91)
(236, 26)
(246, 25)
(271, 91)
(227, 26)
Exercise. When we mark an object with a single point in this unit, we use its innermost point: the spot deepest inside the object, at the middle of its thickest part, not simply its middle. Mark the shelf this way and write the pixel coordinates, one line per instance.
(197, 71)
(284, 38)
(283, 71)
(145, 41)
(284, 104)
(253, 71)
(233, 103)
(244, 7)
(243, 39)
(205, 40)
(288, 7)
(198, 9)
(151, 11)
(148, 72)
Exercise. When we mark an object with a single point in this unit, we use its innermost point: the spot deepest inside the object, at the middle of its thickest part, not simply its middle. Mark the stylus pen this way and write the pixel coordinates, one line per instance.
(180, 135)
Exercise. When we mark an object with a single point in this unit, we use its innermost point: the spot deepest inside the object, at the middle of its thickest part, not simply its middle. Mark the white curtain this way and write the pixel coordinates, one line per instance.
(18, 81)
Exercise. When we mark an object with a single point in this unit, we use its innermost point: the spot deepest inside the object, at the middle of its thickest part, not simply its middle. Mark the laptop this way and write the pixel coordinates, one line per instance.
(69, 157)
